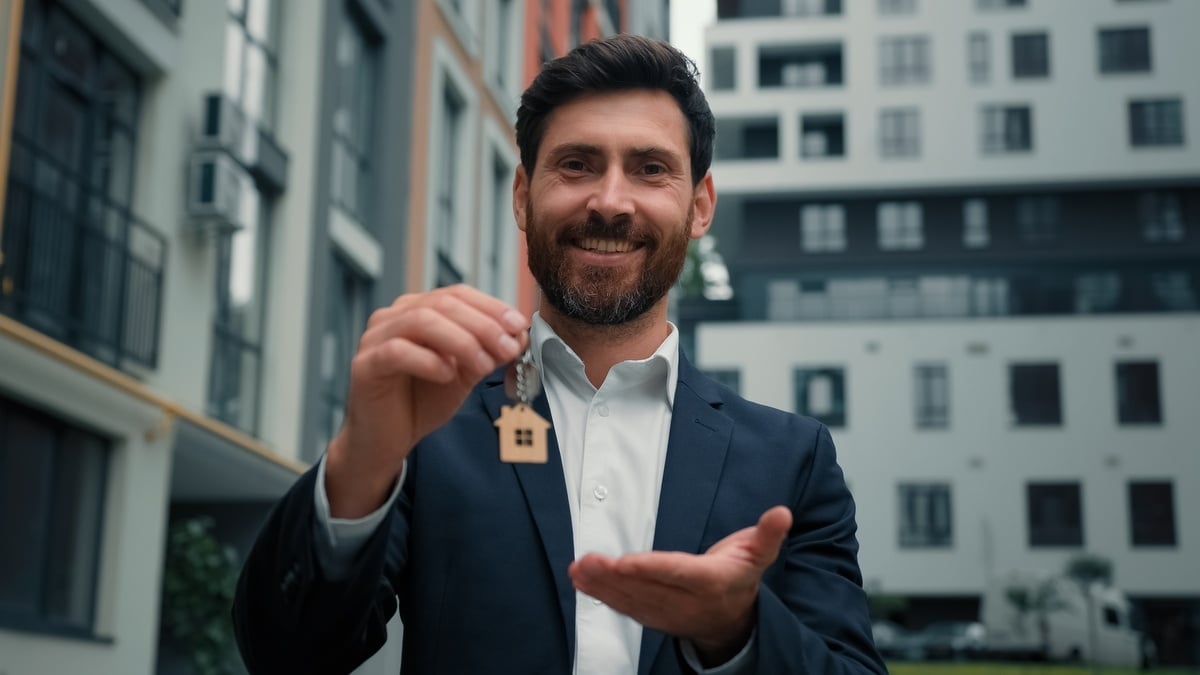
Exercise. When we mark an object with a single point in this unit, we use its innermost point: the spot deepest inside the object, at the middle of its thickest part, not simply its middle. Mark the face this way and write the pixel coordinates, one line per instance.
(610, 207)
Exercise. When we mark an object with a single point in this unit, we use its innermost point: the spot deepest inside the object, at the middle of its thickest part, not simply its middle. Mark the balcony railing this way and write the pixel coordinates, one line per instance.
(84, 272)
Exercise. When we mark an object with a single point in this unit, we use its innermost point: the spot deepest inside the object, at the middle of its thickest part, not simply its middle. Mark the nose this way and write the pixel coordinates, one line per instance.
(613, 196)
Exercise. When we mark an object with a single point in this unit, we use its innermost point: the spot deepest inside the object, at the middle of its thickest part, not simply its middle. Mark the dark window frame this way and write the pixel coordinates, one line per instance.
(1125, 49)
(917, 525)
(1157, 123)
(61, 432)
(1138, 393)
(801, 375)
(930, 412)
(1152, 520)
(1047, 500)
(1035, 394)
(1030, 55)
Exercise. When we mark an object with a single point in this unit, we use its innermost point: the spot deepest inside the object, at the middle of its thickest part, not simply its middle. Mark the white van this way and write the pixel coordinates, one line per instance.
(1061, 631)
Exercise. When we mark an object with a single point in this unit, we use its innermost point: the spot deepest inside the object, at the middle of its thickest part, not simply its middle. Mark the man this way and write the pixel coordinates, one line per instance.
(548, 568)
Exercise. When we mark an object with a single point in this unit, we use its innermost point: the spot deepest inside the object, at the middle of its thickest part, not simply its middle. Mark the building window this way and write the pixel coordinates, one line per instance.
(504, 60)
(353, 118)
(822, 136)
(975, 223)
(900, 132)
(1161, 216)
(1038, 219)
(496, 263)
(1055, 514)
(1095, 293)
(821, 393)
(822, 228)
(901, 226)
(347, 306)
(811, 7)
(904, 60)
(932, 395)
(252, 61)
(79, 266)
(1152, 513)
(724, 68)
(1007, 128)
(754, 138)
(1138, 393)
(730, 377)
(987, 5)
(1156, 123)
(895, 7)
(926, 519)
(979, 57)
(1033, 394)
(1125, 50)
(800, 66)
(1030, 55)
(453, 114)
(52, 483)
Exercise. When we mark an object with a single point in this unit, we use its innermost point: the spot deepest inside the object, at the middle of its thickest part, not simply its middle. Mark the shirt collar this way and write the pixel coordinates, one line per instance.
(548, 349)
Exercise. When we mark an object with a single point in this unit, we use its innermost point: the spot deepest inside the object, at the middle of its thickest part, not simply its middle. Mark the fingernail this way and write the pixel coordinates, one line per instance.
(508, 345)
(484, 360)
(513, 320)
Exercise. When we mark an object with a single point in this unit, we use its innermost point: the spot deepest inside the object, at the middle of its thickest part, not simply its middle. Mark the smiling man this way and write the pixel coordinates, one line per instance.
(675, 527)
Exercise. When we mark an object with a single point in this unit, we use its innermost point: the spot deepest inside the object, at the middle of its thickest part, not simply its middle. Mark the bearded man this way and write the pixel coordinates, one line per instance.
(674, 526)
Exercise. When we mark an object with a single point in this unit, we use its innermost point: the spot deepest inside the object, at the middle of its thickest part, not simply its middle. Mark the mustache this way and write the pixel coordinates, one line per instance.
(599, 227)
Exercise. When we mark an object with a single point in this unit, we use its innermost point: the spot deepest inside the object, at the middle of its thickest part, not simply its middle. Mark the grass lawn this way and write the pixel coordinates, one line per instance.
(1019, 669)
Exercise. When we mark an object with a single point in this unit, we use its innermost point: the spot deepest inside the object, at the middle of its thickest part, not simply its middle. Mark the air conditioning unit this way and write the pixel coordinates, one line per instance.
(214, 195)
(221, 125)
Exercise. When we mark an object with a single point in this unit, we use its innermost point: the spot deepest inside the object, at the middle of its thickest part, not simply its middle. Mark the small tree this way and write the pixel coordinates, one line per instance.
(1038, 600)
(199, 580)
(1086, 570)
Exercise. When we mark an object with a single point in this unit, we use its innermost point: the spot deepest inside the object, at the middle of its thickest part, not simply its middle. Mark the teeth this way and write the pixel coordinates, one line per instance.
(606, 245)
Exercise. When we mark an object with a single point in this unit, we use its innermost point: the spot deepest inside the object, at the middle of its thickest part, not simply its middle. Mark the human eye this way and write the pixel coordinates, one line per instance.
(573, 164)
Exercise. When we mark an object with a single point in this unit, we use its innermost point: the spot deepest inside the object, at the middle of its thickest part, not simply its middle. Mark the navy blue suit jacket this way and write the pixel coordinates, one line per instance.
(477, 551)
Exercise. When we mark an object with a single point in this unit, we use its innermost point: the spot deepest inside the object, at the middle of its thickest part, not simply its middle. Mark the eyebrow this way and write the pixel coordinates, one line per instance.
(594, 150)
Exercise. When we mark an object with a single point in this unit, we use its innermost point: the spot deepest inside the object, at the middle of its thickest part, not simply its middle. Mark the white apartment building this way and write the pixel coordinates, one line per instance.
(966, 235)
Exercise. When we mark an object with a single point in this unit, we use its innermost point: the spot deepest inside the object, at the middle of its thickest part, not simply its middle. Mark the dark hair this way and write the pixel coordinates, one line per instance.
(614, 64)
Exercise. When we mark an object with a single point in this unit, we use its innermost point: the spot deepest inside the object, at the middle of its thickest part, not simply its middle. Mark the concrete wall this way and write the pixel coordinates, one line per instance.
(986, 459)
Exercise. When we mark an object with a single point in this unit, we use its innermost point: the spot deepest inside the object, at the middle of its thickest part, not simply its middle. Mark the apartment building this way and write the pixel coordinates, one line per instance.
(203, 202)
(964, 235)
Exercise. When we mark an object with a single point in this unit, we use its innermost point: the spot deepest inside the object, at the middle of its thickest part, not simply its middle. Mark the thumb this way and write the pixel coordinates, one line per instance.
(769, 534)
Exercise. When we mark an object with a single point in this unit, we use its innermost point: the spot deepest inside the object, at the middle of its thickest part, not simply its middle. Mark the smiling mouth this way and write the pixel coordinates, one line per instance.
(597, 245)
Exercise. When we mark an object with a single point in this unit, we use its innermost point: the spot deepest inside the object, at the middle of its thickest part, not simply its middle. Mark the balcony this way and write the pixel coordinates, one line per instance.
(800, 66)
(751, 9)
(83, 271)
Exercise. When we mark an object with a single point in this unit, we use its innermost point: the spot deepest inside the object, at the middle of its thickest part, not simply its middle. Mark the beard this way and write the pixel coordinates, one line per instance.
(602, 295)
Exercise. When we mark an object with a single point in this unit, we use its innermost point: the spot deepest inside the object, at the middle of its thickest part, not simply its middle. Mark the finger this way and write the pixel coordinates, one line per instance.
(399, 356)
(490, 332)
(453, 338)
(513, 321)
(769, 534)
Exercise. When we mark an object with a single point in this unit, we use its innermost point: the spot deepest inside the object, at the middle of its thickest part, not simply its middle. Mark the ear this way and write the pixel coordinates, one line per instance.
(520, 196)
(704, 204)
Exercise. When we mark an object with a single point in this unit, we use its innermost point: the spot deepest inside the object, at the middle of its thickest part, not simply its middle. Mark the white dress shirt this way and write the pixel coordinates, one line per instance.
(613, 445)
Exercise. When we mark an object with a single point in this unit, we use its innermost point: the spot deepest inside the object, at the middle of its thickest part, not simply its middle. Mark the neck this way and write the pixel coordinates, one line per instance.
(600, 347)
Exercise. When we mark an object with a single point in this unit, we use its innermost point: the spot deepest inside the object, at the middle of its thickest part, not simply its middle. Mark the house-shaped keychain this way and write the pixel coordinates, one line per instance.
(522, 434)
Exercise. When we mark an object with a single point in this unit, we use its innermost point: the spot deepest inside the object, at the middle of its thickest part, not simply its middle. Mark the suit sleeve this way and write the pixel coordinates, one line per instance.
(812, 611)
(290, 617)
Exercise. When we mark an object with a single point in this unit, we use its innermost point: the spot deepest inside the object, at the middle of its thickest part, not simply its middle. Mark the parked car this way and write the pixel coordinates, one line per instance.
(888, 636)
(943, 640)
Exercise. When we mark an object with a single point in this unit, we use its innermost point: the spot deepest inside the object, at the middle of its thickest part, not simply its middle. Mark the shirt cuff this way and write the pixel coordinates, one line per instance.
(734, 665)
(340, 539)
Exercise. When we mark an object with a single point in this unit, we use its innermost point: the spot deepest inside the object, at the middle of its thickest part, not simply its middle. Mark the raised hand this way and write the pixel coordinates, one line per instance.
(707, 599)
(416, 362)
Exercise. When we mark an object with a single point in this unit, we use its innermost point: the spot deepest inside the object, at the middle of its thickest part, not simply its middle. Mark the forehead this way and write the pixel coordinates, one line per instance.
(634, 118)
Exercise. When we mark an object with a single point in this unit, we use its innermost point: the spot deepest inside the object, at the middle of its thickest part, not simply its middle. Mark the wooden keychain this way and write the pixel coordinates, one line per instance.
(522, 430)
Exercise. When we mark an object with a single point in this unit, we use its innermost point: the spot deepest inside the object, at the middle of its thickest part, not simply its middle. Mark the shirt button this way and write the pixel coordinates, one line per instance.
(596, 602)
(600, 493)
(602, 410)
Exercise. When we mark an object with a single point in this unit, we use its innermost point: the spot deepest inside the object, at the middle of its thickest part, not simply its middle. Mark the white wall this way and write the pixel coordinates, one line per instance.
(1080, 117)
(986, 459)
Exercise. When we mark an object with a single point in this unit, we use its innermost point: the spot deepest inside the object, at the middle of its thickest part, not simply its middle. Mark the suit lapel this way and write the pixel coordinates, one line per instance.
(546, 496)
(696, 452)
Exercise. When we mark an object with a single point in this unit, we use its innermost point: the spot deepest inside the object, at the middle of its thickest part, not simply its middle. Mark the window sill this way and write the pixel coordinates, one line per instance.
(18, 625)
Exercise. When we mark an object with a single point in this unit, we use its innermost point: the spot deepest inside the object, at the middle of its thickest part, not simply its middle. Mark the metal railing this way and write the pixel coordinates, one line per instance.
(84, 272)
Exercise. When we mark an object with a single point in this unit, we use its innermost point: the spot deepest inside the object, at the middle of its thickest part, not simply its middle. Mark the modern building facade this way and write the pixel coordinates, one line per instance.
(964, 235)
(204, 202)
